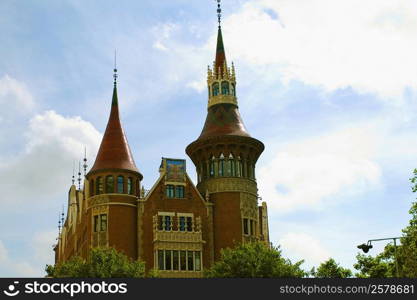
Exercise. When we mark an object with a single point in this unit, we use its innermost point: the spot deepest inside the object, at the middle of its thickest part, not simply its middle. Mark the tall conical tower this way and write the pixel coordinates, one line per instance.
(225, 156)
(113, 188)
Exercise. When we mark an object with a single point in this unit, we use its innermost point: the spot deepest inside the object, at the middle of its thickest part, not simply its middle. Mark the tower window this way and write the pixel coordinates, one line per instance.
(170, 191)
(245, 226)
(99, 185)
(109, 184)
(221, 167)
(225, 88)
(215, 89)
(233, 89)
(100, 223)
(120, 184)
(129, 186)
(212, 168)
(179, 191)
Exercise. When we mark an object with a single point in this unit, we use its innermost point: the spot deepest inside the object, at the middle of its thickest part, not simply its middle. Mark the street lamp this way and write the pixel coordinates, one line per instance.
(365, 248)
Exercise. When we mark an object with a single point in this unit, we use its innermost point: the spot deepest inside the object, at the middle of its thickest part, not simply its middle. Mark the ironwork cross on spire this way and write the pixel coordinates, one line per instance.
(219, 12)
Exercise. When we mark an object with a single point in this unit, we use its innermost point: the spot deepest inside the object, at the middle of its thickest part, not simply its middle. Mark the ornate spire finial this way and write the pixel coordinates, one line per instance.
(219, 12)
(85, 161)
(115, 70)
(79, 175)
(59, 224)
(73, 172)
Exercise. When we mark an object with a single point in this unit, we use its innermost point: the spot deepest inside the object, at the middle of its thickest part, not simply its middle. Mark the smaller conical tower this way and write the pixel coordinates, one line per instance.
(225, 156)
(113, 188)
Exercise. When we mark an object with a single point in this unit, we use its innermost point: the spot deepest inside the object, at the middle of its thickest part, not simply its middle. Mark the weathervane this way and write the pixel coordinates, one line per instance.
(219, 12)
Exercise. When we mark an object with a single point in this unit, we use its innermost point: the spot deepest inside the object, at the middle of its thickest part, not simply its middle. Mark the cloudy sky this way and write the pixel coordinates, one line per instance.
(329, 86)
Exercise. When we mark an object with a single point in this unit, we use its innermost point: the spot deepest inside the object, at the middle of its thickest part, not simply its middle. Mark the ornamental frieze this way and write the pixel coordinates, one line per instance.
(218, 185)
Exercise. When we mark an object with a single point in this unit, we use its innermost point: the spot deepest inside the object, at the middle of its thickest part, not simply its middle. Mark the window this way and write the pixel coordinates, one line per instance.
(179, 260)
(129, 186)
(215, 89)
(185, 223)
(182, 224)
(166, 223)
(100, 222)
(245, 226)
(238, 168)
(233, 89)
(175, 260)
(109, 184)
(209, 92)
(232, 167)
(212, 168)
(103, 222)
(170, 191)
(161, 260)
(183, 260)
(221, 167)
(120, 185)
(225, 88)
(168, 262)
(190, 260)
(179, 191)
(197, 261)
(99, 186)
(96, 224)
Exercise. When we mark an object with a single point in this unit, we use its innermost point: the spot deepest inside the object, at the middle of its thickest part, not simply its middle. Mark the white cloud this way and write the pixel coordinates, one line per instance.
(14, 97)
(308, 173)
(44, 168)
(303, 246)
(368, 45)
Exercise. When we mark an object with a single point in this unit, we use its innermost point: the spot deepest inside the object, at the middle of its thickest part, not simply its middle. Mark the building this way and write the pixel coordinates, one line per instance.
(176, 227)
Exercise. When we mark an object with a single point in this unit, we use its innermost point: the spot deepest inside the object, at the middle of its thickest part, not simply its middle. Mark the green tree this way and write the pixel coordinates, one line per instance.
(331, 269)
(254, 260)
(380, 266)
(102, 263)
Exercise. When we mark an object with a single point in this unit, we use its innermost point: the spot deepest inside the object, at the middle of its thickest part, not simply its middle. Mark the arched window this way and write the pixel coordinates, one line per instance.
(221, 165)
(91, 187)
(238, 167)
(233, 89)
(109, 184)
(129, 186)
(225, 88)
(215, 89)
(120, 184)
(99, 185)
(212, 167)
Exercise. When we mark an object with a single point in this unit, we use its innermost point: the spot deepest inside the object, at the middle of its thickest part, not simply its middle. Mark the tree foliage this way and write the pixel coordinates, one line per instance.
(331, 269)
(102, 263)
(254, 260)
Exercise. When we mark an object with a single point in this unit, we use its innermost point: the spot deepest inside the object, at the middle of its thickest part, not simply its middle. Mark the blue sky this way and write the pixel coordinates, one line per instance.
(329, 89)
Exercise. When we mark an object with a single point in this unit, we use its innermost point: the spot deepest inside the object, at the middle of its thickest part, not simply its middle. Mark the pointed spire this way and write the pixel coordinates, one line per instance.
(220, 62)
(114, 151)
